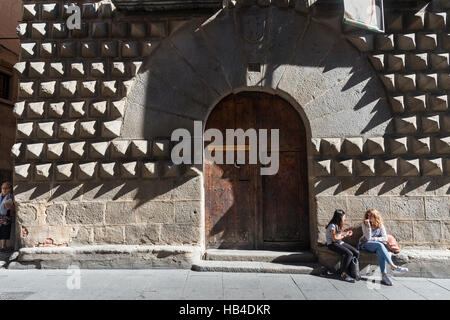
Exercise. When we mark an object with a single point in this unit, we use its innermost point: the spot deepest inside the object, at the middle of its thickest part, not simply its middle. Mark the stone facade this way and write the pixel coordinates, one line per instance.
(10, 13)
(97, 106)
(7, 137)
(78, 179)
(407, 170)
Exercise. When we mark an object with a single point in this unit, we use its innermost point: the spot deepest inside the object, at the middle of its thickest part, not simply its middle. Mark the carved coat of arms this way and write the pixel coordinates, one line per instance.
(252, 24)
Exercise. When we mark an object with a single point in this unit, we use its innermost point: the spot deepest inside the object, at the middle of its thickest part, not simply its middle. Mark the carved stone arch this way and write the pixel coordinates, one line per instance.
(328, 81)
(204, 60)
(309, 147)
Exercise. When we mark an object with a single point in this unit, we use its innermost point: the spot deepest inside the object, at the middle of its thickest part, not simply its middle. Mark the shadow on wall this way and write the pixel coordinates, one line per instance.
(268, 49)
(272, 50)
(140, 190)
(357, 233)
(381, 185)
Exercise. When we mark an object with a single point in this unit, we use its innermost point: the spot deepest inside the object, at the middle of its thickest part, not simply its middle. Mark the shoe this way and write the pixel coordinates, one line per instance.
(347, 278)
(385, 280)
(400, 269)
(357, 278)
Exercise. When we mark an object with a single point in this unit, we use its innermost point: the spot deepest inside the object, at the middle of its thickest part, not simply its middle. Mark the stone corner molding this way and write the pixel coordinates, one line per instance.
(163, 5)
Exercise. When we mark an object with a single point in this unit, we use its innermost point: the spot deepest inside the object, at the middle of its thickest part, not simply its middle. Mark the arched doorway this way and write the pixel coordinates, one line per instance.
(247, 210)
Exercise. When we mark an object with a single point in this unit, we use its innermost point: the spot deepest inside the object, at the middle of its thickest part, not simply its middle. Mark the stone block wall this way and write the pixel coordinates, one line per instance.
(7, 137)
(76, 180)
(404, 174)
(84, 176)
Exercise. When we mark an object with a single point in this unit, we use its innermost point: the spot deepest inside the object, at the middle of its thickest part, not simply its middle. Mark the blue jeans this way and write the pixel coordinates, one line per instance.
(382, 253)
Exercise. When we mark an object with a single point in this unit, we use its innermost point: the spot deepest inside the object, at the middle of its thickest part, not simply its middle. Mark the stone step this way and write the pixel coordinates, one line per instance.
(254, 266)
(108, 257)
(259, 256)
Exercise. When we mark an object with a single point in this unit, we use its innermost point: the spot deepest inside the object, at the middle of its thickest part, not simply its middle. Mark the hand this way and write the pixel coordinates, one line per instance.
(367, 223)
(349, 233)
(8, 204)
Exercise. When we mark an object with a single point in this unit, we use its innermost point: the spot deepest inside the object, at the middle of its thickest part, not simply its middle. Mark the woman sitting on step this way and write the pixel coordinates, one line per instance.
(334, 235)
(372, 240)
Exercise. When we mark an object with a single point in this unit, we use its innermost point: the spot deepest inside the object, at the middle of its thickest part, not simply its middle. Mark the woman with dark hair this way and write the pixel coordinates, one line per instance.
(334, 235)
(6, 213)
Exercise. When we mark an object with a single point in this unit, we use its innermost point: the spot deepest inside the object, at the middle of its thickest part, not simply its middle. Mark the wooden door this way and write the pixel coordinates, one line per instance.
(245, 210)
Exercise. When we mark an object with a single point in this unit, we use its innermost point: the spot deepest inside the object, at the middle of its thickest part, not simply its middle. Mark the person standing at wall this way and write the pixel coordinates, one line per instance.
(6, 213)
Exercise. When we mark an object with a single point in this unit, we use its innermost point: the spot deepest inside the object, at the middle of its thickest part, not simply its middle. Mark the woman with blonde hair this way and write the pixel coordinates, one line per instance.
(372, 240)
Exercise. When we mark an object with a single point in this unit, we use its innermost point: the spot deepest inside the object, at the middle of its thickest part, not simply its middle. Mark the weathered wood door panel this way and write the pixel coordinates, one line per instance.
(245, 210)
(230, 196)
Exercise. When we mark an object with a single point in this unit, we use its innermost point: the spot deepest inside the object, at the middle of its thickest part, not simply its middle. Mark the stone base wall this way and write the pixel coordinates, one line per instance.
(415, 211)
(154, 212)
(107, 256)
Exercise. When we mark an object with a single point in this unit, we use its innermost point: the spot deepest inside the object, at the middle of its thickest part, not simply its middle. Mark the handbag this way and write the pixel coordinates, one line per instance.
(392, 244)
(354, 269)
(4, 220)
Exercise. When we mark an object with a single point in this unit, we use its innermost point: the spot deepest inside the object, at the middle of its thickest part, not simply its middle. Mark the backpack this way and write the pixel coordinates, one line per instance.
(392, 245)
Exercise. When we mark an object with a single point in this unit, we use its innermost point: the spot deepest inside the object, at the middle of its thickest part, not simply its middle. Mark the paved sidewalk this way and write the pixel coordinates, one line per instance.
(187, 284)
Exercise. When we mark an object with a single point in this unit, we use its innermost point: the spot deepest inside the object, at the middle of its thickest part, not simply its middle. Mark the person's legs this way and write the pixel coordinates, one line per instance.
(381, 260)
(345, 253)
(354, 251)
(386, 254)
(382, 253)
(370, 246)
(383, 256)
(3, 243)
